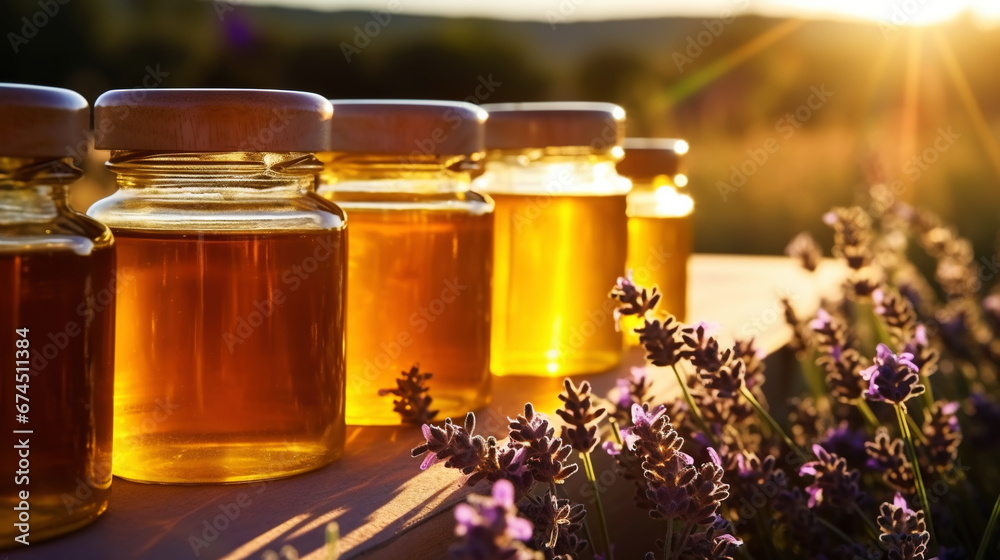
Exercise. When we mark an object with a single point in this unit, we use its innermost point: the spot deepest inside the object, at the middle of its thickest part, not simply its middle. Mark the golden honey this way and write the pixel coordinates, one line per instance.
(659, 224)
(659, 245)
(229, 366)
(57, 309)
(561, 236)
(556, 259)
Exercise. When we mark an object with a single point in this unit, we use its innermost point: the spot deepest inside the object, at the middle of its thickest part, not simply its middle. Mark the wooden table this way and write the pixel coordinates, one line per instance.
(385, 506)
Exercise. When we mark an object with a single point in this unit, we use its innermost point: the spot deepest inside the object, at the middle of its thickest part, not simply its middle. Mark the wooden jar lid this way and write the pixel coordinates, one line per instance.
(38, 121)
(211, 120)
(649, 157)
(519, 126)
(406, 127)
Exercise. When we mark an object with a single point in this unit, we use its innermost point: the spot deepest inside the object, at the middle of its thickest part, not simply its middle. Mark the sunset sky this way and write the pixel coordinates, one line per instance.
(900, 12)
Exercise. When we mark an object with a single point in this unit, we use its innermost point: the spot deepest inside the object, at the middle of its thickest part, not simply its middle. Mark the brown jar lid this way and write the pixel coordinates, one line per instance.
(406, 127)
(211, 120)
(649, 157)
(519, 126)
(37, 121)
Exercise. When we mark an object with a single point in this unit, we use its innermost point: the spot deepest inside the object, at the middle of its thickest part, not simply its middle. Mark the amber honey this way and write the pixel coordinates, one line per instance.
(419, 283)
(230, 355)
(421, 257)
(557, 258)
(62, 303)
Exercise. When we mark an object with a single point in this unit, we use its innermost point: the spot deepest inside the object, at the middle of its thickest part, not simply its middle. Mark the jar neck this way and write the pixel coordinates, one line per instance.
(388, 173)
(184, 174)
(556, 174)
(34, 189)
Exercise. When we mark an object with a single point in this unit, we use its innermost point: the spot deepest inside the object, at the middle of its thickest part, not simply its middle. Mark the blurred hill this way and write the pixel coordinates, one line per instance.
(746, 86)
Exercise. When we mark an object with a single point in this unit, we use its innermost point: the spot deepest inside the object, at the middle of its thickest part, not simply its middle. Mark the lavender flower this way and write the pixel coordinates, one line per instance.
(888, 457)
(991, 308)
(924, 357)
(893, 378)
(804, 417)
(702, 349)
(841, 362)
(490, 528)
(706, 492)
(413, 404)
(800, 338)
(727, 380)
(835, 485)
(477, 457)
(545, 454)
(557, 525)
(896, 312)
(632, 299)
(804, 248)
(715, 543)
(628, 391)
(800, 522)
(660, 341)
(851, 235)
(580, 415)
(904, 531)
(943, 435)
(752, 357)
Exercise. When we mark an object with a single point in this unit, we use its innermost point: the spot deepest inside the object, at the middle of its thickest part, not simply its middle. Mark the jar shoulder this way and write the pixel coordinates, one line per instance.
(217, 211)
(65, 229)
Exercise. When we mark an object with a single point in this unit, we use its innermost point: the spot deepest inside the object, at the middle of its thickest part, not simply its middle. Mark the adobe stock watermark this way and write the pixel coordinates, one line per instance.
(31, 25)
(223, 7)
(260, 141)
(562, 13)
(696, 43)
(100, 476)
(787, 126)
(89, 309)
(884, 196)
(420, 320)
(486, 86)
(363, 35)
(900, 14)
(772, 314)
(217, 523)
(292, 279)
(152, 79)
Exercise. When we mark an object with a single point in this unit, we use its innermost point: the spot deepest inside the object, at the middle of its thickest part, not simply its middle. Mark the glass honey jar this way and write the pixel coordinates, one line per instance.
(230, 363)
(659, 223)
(57, 310)
(420, 263)
(561, 235)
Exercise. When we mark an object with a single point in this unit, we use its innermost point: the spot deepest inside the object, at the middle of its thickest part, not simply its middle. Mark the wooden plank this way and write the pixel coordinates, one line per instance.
(384, 504)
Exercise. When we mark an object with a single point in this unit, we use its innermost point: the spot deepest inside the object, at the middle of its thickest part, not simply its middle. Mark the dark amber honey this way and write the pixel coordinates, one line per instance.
(65, 301)
(229, 363)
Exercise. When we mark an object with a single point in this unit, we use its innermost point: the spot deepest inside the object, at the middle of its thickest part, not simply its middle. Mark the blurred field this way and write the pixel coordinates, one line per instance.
(893, 91)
